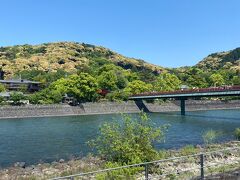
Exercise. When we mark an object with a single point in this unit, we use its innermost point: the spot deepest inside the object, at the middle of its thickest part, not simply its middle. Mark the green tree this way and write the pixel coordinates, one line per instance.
(46, 96)
(38, 97)
(197, 81)
(121, 80)
(237, 133)
(83, 86)
(1, 99)
(236, 80)
(138, 86)
(109, 67)
(2, 88)
(129, 141)
(167, 82)
(108, 80)
(118, 95)
(131, 76)
(112, 77)
(16, 98)
(217, 79)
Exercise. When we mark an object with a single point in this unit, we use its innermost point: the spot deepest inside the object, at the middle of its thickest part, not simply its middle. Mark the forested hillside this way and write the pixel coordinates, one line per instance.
(68, 56)
(225, 60)
(91, 73)
(215, 70)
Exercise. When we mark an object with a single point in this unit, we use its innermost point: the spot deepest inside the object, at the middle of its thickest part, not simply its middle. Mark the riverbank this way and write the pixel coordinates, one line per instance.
(110, 108)
(90, 163)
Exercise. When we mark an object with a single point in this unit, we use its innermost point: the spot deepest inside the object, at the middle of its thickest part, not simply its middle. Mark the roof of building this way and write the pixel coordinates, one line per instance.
(19, 81)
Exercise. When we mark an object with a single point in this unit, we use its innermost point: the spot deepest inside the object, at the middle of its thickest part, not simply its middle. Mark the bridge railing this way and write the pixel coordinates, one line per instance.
(197, 90)
(195, 166)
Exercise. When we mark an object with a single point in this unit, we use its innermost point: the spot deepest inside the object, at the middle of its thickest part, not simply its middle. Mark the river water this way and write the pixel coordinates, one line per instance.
(35, 140)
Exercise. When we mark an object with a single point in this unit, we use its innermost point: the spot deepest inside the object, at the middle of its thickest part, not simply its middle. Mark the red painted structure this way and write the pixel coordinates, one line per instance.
(198, 90)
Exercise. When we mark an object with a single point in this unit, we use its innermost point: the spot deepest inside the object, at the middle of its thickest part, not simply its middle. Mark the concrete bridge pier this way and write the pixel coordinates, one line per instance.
(140, 104)
(183, 106)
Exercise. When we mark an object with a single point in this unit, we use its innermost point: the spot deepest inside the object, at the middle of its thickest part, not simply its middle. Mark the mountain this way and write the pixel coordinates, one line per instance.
(72, 57)
(69, 56)
(223, 60)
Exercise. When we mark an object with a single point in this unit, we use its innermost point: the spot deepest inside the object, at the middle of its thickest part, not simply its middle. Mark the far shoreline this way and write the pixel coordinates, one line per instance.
(108, 108)
(109, 113)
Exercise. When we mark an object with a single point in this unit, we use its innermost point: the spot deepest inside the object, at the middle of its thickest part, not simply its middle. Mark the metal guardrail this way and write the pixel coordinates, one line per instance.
(185, 91)
(201, 167)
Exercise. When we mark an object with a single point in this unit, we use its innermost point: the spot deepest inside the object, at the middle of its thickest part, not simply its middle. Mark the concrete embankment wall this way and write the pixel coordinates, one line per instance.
(38, 111)
(109, 107)
(192, 105)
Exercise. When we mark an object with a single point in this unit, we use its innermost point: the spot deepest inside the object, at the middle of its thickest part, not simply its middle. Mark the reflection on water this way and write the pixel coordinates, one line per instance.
(48, 139)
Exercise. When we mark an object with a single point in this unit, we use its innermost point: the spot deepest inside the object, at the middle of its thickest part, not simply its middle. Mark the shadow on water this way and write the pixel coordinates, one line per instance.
(198, 116)
(213, 117)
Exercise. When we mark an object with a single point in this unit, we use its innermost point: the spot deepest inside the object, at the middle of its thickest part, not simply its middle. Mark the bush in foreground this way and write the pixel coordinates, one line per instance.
(237, 133)
(130, 140)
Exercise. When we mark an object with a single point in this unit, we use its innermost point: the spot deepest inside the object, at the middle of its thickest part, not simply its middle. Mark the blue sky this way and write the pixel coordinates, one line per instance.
(169, 33)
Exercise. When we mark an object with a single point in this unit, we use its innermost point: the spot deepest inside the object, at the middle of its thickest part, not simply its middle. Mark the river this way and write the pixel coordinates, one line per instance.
(35, 140)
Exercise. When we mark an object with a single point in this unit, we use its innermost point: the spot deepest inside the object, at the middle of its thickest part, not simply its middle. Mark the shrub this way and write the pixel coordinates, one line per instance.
(2, 88)
(129, 141)
(117, 96)
(210, 136)
(188, 149)
(237, 133)
(16, 98)
(1, 99)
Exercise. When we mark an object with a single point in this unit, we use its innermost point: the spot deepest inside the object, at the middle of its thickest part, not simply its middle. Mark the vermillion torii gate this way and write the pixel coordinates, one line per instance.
(183, 95)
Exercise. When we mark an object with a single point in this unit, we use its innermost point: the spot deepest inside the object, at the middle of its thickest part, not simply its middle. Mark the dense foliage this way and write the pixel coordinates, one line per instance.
(82, 71)
(129, 141)
(237, 133)
(68, 56)
(2, 88)
(16, 98)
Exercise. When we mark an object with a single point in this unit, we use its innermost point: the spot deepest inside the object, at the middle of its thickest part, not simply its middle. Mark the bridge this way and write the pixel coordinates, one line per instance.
(183, 95)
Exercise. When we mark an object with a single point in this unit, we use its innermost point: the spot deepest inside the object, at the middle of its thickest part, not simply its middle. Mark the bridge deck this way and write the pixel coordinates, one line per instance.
(204, 92)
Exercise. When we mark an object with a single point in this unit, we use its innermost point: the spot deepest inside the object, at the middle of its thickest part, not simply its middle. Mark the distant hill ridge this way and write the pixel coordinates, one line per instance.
(73, 57)
(69, 56)
(226, 60)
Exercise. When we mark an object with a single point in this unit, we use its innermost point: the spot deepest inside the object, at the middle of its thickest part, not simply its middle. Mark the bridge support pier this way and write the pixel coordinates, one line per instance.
(182, 106)
(140, 104)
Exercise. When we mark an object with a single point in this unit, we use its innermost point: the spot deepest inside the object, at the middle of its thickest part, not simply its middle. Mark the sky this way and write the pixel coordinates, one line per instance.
(169, 33)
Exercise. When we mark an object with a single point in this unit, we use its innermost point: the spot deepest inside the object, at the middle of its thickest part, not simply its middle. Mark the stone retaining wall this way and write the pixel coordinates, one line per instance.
(39, 111)
(109, 107)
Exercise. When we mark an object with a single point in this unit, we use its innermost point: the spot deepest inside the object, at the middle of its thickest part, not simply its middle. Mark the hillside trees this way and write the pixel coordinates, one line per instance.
(16, 98)
(167, 82)
(83, 87)
(236, 80)
(69, 56)
(138, 86)
(112, 77)
(108, 80)
(217, 79)
(46, 96)
(2, 88)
